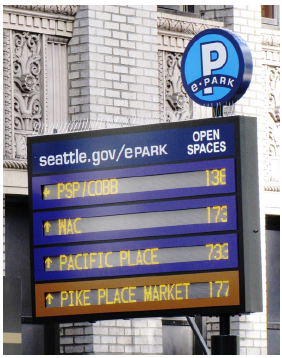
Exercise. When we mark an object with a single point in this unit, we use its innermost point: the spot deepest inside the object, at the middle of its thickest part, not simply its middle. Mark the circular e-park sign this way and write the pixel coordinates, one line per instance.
(216, 68)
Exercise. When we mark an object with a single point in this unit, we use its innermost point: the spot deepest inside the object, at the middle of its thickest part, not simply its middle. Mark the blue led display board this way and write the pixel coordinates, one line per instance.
(123, 221)
(100, 187)
(133, 149)
(136, 220)
(176, 254)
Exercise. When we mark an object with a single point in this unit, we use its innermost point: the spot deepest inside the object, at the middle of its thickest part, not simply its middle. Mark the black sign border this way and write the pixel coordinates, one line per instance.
(245, 132)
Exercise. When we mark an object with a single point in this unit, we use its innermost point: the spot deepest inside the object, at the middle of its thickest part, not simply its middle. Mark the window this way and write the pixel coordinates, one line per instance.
(178, 8)
(270, 15)
(267, 11)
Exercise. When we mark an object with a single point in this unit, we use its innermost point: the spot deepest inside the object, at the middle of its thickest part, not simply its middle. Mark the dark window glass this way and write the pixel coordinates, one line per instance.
(267, 11)
(270, 15)
(171, 7)
(188, 8)
(181, 8)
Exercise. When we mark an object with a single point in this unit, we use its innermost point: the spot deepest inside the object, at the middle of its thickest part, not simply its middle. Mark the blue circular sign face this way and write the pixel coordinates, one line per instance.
(216, 67)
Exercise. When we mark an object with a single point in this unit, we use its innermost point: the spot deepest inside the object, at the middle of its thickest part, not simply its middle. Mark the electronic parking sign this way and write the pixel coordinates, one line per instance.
(158, 220)
(216, 67)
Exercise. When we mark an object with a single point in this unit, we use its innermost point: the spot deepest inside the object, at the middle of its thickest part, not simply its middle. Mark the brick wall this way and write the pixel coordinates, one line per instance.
(136, 336)
(76, 338)
(217, 12)
(250, 328)
(113, 63)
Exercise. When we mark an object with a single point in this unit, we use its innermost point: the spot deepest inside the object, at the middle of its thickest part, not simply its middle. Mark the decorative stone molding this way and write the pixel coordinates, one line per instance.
(273, 138)
(271, 78)
(171, 43)
(57, 39)
(27, 83)
(14, 164)
(271, 48)
(174, 32)
(174, 101)
(161, 84)
(53, 20)
(7, 89)
(270, 40)
(274, 93)
(69, 10)
(191, 27)
(271, 56)
(273, 188)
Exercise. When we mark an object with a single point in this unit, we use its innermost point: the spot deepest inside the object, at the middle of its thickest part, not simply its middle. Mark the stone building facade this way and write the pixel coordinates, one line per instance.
(70, 67)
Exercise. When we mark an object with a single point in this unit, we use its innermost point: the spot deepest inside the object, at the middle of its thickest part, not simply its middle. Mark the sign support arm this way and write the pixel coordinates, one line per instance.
(198, 335)
(217, 111)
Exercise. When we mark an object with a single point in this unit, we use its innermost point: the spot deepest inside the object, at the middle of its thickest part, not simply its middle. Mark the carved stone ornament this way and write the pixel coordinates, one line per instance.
(26, 75)
(175, 104)
(274, 93)
(69, 10)
(15, 164)
(186, 27)
(175, 101)
(272, 174)
(270, 40)
(8, 140)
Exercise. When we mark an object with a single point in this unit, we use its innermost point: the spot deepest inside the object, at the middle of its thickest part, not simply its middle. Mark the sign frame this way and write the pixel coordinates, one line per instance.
(248, 220)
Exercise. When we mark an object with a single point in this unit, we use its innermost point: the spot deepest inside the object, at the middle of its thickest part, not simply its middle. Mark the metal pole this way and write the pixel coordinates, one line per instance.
(198, 335)
(225, 344)
(225, 325)
(52, 338)
(217, 111)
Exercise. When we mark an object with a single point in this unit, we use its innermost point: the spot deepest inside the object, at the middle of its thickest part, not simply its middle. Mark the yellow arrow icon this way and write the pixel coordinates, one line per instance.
(47, 226)
(49, 297)
(46, 192)
(48, 261)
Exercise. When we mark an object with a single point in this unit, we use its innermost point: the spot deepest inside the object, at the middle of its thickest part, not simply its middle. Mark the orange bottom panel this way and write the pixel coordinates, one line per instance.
(137, 294)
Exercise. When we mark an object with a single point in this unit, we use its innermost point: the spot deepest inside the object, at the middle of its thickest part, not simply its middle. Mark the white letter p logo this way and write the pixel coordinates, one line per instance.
(209, 64)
